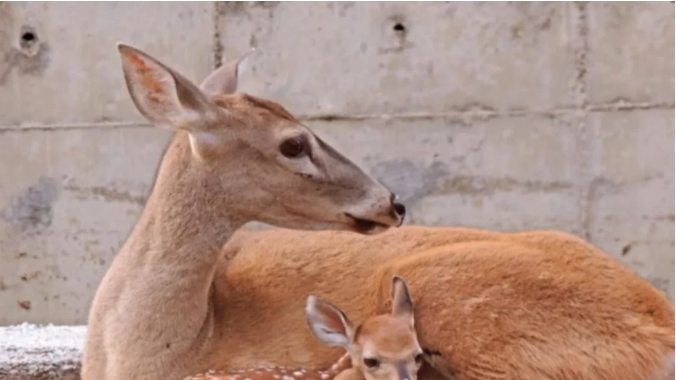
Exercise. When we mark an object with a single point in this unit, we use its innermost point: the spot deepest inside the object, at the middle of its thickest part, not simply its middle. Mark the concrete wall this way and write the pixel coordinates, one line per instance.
(503, 116)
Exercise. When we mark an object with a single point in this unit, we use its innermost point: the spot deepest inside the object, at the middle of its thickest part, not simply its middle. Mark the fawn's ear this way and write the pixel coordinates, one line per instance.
(327, 322)
(224, 79)
(164, 97)
(402, 304)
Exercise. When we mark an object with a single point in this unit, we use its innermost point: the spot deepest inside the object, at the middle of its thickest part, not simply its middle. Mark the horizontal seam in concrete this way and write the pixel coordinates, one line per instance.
(482, 114)
(458, 114)
(66, 126)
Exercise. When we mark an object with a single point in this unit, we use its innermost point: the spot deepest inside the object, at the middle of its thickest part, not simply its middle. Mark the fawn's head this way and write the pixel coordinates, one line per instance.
(254, 156)
(384, 347)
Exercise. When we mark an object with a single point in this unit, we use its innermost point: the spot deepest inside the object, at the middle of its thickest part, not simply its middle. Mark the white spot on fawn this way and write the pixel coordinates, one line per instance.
(325, 376)
(298, 373)
(275, 376)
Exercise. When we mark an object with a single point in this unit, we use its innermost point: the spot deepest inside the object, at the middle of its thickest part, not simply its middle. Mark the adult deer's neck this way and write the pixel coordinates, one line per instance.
(155, 297)
(179, 237)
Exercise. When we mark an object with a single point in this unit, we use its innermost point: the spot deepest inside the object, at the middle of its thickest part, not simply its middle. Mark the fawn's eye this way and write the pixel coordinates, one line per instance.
(371, 363)
(419, 359)
(293, 147)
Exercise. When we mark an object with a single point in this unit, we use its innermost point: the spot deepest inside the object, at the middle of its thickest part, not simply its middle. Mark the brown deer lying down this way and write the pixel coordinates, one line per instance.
(536, 305)
(383, 347)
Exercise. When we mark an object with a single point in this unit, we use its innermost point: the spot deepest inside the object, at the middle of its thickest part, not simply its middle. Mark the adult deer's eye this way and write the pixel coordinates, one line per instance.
(371, 363)
(292, 148)
(419, 359)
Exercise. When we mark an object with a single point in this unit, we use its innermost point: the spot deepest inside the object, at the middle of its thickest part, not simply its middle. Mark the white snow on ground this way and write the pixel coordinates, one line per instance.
(44, 351)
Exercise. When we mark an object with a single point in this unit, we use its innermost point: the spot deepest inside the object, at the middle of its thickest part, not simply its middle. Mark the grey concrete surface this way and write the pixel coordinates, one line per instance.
(507, 116)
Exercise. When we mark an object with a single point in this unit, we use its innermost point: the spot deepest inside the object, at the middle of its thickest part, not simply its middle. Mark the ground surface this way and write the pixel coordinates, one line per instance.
(41, 352)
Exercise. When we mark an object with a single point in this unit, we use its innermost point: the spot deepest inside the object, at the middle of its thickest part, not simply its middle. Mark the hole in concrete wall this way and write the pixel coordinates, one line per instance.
(395, 30)
(399, 28)
(28, 39)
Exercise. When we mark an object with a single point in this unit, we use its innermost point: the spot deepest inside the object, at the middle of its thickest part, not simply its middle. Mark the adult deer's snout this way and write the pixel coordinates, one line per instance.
(398, 209)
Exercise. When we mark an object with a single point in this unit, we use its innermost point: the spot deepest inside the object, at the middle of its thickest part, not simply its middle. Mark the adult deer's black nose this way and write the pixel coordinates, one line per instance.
(399, 208)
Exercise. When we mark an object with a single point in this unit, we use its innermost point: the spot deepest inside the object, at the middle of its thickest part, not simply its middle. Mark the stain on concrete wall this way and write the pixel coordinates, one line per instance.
(31, 211)
(507, 116)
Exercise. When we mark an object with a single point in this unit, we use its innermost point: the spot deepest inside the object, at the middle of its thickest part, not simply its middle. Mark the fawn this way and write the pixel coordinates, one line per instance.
(383, 347)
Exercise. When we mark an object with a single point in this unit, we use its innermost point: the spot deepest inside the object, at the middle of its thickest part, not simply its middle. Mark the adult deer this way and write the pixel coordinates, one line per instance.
(233, 159)
(533, 305)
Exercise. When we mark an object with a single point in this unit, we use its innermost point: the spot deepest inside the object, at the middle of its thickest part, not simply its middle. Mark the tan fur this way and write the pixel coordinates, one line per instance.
(226, 165)
(535, 305)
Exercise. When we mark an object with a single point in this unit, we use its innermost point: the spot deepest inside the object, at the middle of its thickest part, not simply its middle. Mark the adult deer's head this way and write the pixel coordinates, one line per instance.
(253, 156)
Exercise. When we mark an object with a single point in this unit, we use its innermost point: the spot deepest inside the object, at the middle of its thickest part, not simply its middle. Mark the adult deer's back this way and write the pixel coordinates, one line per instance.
(528, 305)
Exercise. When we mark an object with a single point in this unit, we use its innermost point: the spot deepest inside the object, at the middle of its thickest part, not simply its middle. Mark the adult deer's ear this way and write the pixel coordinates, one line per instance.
(164, 97)
(402, 304)
(327, 322)
(224, 79)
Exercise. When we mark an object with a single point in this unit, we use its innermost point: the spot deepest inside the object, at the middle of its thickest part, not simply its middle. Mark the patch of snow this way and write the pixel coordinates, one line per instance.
(49, 351)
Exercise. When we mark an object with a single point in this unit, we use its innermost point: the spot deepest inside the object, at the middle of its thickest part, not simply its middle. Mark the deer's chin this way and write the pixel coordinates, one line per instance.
(348, 222)
(365, 226)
